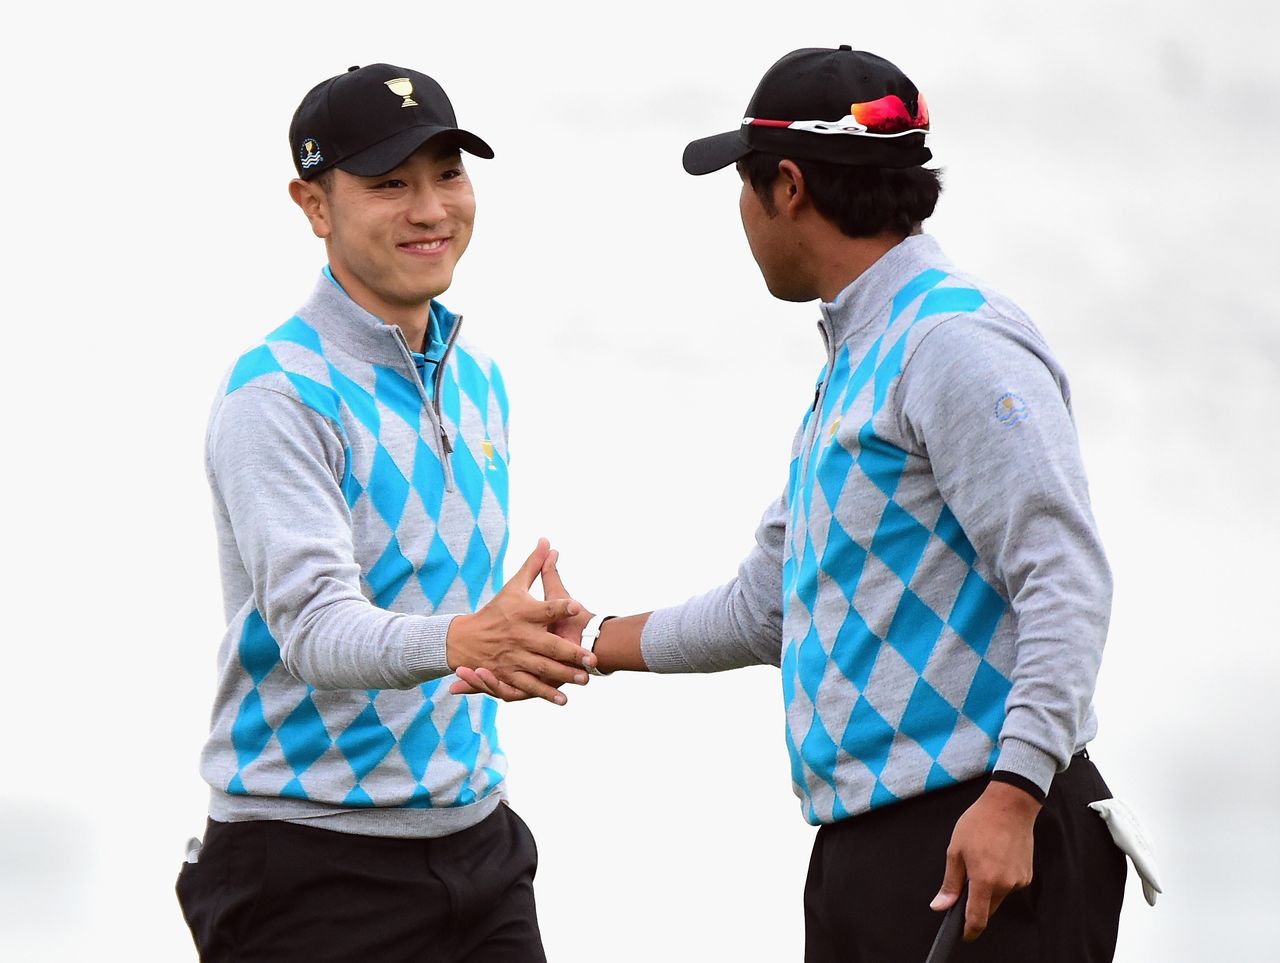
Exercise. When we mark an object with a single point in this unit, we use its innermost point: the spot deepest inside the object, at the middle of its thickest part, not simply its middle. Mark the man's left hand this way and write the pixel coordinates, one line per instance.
(991, 846)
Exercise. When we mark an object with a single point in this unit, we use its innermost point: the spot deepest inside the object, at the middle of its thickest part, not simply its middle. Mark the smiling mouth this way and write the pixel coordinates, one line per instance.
(425, 247)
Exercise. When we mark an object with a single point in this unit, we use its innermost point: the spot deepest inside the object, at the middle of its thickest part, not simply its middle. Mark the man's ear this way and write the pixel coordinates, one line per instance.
(311, 197)
(790, 194)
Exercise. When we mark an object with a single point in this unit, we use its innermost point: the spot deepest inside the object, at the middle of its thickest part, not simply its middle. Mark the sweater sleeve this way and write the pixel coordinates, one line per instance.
(277, 468)
(985, 401)
(735, 625)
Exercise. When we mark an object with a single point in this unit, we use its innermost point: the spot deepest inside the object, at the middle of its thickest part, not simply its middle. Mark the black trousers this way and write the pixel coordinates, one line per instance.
(871, 879)
(277, 891)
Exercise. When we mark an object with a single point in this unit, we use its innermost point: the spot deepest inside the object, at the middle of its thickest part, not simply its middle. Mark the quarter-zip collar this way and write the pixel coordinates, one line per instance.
(866, 297)
(340, 320)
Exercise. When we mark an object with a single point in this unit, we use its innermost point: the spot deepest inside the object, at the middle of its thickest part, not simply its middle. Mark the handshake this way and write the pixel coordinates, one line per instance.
(520, 647)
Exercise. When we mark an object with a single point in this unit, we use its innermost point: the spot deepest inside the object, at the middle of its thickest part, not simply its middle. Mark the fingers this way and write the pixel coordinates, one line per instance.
(557, 610)
(481, 680)
(565, 653)
(952, 882)
(977, 911)
(552, 586)
(460, 686)
(542, 681)
(532, 566)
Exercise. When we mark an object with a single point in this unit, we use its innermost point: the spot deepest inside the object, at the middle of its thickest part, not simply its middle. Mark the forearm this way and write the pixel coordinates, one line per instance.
(619, 647)
(355, 645)
(713, 632)
(710, 633)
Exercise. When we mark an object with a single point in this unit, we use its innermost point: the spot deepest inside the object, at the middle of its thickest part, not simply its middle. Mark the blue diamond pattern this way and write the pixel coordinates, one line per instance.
(868, 737)
(833, 470)
(437, 572)
(462, 742)
(819, 751)
(473, 382)
(948, 529)
(469, 477)
(500, 392)
(359, 401)
(928, 719)
(977, 612)
(303, 737)
(986, 699)
(843, 559)
(428, 479)
(252, 365)
(880, 461)
(387, 576)
(922, 282)
(899, 541)
(476, 567)
(335, 389)
(387, 487)
(400, 395)
(420, 740)
(297, 331)
(950, 301)
(259, 653)
(914, 630)
(855, 650)
(938, 778)
(821, 543)
(366, 742)
(250, 732)
(790, 671)
(811, 663)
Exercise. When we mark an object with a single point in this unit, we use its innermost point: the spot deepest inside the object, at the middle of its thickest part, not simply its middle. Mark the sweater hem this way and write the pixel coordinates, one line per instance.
(389, 821)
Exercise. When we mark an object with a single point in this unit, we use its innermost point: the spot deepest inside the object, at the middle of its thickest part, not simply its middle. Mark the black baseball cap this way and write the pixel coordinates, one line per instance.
(843, 106)
(369, 119)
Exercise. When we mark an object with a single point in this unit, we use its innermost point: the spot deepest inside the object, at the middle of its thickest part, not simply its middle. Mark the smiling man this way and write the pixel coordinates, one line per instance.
(358, 462)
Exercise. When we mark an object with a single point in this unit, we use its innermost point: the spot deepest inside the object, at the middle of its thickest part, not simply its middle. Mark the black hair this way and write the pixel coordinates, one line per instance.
(325, 179)
(861, 201)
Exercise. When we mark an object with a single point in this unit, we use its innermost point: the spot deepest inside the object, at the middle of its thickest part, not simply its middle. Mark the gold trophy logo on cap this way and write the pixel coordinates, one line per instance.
(402, 87)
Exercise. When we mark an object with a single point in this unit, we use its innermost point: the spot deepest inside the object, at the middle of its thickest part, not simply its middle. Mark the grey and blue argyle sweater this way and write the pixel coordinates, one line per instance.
(354, 520)
(930, 582)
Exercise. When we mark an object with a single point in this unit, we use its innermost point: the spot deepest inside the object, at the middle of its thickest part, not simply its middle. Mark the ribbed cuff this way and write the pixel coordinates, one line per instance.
(1027, 761)
(423, 652)
(1019, 782)
(660, 643)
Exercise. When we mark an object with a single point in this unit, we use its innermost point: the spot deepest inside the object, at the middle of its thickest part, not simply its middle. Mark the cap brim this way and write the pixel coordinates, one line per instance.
(391, 153)
(709, 154)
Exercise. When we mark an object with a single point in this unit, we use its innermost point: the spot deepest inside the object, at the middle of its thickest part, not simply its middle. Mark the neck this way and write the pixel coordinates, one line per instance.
(845, 259)
(413, 320)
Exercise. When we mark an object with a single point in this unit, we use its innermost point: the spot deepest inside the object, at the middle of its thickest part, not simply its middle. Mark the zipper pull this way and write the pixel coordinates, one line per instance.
(816, 392)
(444, 440)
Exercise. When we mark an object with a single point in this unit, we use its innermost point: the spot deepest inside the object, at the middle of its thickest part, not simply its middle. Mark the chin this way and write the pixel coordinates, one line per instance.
(795, 295)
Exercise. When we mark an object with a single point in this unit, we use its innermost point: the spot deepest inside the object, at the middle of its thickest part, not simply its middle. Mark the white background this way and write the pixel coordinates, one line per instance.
(1109, 165)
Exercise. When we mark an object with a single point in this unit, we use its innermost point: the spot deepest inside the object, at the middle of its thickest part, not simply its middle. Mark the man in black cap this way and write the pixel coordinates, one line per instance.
(358, 461)
(930, 581)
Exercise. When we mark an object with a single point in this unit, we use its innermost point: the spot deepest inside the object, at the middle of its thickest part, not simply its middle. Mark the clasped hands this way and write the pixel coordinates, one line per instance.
(517, 646)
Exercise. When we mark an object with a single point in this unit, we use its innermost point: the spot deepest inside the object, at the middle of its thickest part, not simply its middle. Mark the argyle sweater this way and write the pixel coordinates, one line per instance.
(930, 581)
(354, 520)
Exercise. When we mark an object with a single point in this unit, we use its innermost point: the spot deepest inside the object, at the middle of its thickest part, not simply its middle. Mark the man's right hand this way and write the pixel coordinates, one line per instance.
(509, 637)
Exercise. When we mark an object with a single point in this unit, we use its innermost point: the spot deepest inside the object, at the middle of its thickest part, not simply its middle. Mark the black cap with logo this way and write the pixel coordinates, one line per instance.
(369, 119)
(843, 106)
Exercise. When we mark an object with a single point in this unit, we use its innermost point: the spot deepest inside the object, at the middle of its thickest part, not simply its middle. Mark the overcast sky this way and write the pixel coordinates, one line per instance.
(1111, 166)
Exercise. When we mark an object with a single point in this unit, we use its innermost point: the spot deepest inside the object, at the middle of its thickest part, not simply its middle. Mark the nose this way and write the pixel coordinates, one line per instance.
(428, 206)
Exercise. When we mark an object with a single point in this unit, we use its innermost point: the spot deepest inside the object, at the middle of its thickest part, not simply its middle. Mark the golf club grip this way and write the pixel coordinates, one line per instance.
(950, 931)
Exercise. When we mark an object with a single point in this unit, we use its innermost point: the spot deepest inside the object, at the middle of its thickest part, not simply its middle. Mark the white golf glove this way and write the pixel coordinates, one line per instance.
(1129, 836)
